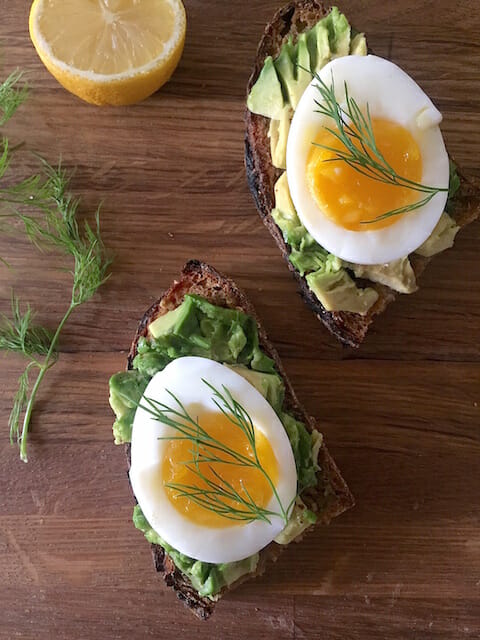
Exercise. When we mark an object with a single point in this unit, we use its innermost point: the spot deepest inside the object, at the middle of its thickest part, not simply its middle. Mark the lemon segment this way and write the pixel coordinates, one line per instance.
(112, 52)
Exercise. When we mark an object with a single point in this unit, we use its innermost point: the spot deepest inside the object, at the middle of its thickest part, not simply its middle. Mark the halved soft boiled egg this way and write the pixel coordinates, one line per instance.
(335, 201)
(158, 460)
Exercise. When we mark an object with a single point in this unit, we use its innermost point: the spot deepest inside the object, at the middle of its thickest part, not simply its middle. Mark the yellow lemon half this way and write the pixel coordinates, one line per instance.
(109, 51)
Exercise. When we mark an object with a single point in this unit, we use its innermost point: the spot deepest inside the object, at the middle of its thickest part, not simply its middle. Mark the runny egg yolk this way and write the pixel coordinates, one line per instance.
(350, 198)
(241, 478)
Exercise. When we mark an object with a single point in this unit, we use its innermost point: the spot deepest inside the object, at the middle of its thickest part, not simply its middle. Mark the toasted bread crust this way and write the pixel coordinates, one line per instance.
(349, 328)
(332, 493)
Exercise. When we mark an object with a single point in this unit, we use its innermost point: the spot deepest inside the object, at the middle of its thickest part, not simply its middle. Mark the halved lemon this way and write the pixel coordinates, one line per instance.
(109, 51)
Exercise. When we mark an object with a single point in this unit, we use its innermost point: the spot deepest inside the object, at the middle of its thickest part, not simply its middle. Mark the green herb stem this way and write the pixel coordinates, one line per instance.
(12, 94)
(217, 494)
(53, 226)
(366, 158)
(48, 362)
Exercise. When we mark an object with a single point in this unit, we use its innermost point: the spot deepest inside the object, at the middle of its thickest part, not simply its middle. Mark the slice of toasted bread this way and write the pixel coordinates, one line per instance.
(350, 328)
(331, 493)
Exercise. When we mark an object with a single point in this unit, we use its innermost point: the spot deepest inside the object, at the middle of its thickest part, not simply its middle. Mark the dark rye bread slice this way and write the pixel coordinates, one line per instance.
(331, 495)
(349, 328)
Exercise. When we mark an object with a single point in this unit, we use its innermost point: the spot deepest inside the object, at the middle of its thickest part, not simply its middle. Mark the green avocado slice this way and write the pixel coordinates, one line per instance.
(336, 290)
(266, 96)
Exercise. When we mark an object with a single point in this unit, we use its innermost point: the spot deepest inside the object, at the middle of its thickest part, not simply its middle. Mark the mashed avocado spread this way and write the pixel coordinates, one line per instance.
(275, 95)
(208, 579)
(229, 336)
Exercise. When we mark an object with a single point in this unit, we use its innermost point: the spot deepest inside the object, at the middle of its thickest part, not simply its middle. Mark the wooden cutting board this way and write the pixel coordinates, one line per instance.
(401, 415)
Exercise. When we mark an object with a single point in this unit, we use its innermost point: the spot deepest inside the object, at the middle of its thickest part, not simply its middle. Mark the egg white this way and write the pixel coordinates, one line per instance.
(183, 377)
(391, 94)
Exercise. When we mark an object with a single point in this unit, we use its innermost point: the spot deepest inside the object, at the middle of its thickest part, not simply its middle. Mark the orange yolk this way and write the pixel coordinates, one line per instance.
(349, 198)
(219, 427)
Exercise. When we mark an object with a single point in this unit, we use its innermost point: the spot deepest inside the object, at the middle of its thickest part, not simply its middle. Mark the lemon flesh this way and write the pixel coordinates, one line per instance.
(109, 51)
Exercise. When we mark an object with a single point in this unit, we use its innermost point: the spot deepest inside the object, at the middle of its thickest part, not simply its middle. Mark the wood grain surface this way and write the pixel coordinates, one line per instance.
(401, 415)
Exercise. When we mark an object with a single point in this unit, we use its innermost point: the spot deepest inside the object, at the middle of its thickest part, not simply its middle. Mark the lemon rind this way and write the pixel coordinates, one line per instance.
(45, 51)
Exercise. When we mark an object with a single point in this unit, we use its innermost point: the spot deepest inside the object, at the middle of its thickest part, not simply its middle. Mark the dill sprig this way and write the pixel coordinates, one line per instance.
(54, 226)
(57, 228)
(35, 191)
(18, 334)
(217, 494)
(351, 124)
(13, 92)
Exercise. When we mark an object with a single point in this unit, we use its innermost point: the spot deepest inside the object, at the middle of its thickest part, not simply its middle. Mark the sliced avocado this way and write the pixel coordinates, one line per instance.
(318, 46)
(266, 97)
(126, 391)
(278, 134)
(300, 519)
(180, 321)
(306, 447)
(285, 67)
(397, 275)
(303, 69)
(302, 442)
(282, 81)
(441, 238)
(270, 385)
(338, 292)
(287, 219)
(305, 253)
(338, 33)
(293, 68)
(283, 199)
(232, 571)
(453, 187)
(358, 45)
(329, 281)
(317, 441)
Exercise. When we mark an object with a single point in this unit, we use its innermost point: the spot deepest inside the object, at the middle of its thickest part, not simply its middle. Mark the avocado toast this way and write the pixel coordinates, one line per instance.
(345, 297)
(325, 495)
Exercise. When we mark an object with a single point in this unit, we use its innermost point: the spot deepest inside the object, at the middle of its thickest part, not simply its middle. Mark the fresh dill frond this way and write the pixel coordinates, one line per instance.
(37, 191)
(353, 125)
(42, 205)
(91, 264)
(18, 334)
(52, 227)
(216, 494)
(56, 228)
(20, 402)
(4, 157)
(13, 92)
